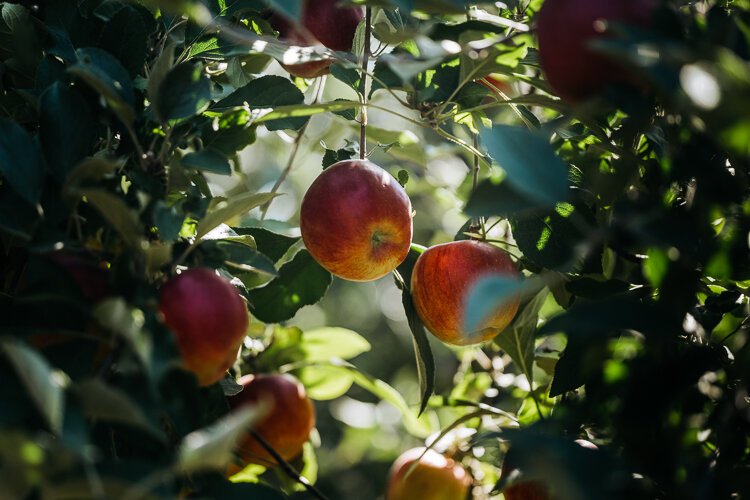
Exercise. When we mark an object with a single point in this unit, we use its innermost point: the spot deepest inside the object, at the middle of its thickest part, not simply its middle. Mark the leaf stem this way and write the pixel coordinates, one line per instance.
(287, 467)
(363, 85)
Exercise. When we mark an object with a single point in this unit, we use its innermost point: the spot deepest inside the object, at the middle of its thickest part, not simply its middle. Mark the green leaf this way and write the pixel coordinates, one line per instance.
(117, 213)
(184, 92)
(45, 386)
(159, 71)
(244, 258)
(489, 294)
(501, 199)
(125, 37)
(531, 164)
(127, 322)
(245, 491)
(267, 92)
(325, 382)
(20, 161)
(207, 160)
(211, 448)
(270, 244)
(103, 402)
(301, 282)
(323, 344)
(229, 209)
(105, 75)
(517, 340)
(65, 140)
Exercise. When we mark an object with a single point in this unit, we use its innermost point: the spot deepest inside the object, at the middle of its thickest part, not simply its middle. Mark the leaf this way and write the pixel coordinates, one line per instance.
(501, 199)
(207, 160)
(301, 282)
(104, 402)
(489, 294)
(65, 141)
(531, 164)
(91, 169)
(125, 37)
(245, 258)
(268, 92)
(324, 382)
(117, 213)
(270, 244)
(226, 210)
(45, 386)
(184, 92)
(517, 340)
(323, 344)
(211, 448)
(159, 71)
(20, 161)
(127, 322)
(105, 75)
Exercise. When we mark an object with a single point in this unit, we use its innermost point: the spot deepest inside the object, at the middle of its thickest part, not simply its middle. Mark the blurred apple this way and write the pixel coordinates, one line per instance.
(287, 425)
(356, 220)
(434, 477)
(440, 284)
(322, 22)
(565, 30)
(209, 320)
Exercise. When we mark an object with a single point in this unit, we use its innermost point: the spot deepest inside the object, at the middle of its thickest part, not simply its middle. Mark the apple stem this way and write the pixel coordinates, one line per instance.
(363, 85)
(287, 467)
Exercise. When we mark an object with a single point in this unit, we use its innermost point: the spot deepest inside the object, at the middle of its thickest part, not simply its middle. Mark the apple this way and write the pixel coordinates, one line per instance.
(322, 22)
(287, 425)
(565, 30)
(441, 282)
(435, 477)
(91, 276)
(355, 220)
(209, 320)
(496, 82)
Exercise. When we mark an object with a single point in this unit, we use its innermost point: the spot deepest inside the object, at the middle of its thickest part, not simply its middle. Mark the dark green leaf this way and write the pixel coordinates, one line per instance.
(301, 282)
(125, 36)
(501, 199)
(531, 164)
(106, 75)
(245, 491)
(270, 244)
(267, 92)
(65, 140)
(184, 92)
(207, 160)
(20, 161)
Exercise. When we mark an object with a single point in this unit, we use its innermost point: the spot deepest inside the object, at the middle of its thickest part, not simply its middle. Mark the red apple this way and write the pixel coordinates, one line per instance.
(322, 22)
(565, 30)
(91, 275)
(356, 220)
(441, 281)
(435, 477)
(496, 82)
(209, 320)
(288, 424)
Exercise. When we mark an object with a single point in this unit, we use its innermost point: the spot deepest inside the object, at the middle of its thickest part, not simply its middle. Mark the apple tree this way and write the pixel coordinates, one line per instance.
(394, 249)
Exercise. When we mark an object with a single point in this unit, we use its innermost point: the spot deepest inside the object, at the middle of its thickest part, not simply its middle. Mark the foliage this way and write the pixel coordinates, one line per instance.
(126, 131)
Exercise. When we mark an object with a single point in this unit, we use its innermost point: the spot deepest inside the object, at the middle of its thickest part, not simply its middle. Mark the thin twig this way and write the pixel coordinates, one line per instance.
(295, 149)
(287, 467)
(363, 86)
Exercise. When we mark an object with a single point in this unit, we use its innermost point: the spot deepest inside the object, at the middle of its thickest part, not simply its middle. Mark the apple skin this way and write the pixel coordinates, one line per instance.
(288, 424)
(564, 30)
(322, 22)
(209, 320)
(355, 220)
(435, 477)
(441, 282)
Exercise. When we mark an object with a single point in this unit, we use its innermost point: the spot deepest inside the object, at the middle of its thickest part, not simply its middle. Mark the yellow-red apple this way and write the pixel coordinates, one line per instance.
(441, 281)
(356, 220)
(288, 423)
(565, 31)
(322, 22)
(435, 477)
(209, 320)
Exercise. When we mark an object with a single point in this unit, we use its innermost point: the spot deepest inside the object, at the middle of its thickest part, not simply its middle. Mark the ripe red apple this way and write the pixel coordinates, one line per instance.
(565, 28)
(442, 279)
(288, 424)
(209, 320)
(322, 22)
(435, 477)
(356, 220)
